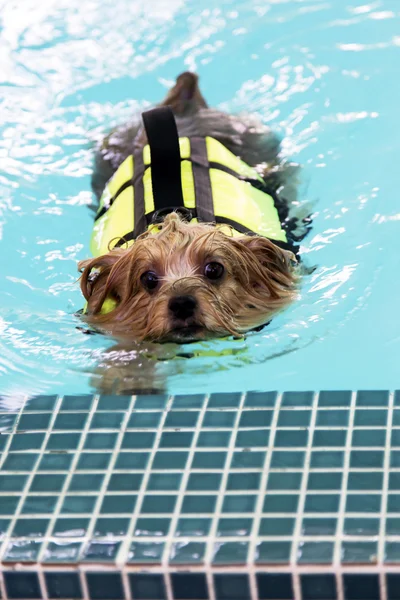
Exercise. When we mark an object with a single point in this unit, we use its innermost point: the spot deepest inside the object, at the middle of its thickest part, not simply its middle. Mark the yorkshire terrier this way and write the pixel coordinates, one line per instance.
(182, 278)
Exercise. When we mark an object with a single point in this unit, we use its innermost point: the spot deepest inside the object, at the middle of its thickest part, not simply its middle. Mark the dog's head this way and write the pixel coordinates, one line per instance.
(188, 282)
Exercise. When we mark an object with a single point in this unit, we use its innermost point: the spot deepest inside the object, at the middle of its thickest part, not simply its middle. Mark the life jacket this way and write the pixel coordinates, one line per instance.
(196, 177)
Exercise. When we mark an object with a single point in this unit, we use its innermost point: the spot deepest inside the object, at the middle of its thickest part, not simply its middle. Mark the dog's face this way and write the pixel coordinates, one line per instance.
(188, 282)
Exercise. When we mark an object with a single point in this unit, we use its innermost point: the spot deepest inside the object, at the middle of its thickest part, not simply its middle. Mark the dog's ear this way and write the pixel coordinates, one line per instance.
(100, 278)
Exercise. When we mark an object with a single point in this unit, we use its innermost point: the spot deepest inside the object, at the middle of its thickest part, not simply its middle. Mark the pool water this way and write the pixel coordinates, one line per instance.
(324, 74)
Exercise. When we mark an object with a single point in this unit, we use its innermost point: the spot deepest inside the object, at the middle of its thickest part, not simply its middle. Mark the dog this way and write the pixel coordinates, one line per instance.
(183, 276)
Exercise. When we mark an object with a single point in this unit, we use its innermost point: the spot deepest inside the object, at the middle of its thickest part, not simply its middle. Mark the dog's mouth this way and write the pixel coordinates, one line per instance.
(185, 334)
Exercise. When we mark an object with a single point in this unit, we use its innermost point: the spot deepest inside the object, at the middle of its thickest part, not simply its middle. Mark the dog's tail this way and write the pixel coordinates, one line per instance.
(185, 97)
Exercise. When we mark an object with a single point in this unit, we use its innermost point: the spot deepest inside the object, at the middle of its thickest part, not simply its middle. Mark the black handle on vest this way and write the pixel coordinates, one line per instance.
(162, 135)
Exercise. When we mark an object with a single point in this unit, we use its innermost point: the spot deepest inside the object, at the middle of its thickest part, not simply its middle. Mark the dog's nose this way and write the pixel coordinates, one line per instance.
(182, 307)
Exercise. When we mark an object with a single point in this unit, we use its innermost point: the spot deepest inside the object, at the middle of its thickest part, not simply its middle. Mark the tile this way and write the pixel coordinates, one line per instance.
(125, 482)
(138, 439)
(333, 398)
(369, 480)
(193, 527)
(243, 481)
(322, 503)
(315, 552)
(216, 418)
(118, 504)
(287, 459)
(230, 553)
(132, 460)
(63, 441)
(4, 440)
(147, 586)
(321, 586)
(393, 503)
(63, 585)
(297, 398)
(278, 503)
(144, 420)
(253, 438)
(176, 439)
(145, 552)
(204, 482)
(274, 586)
(152, 527)
(70, 421)
(394, 481)
(86, 482)
(315, 526)
(22, 551)
(230, 586)
(277, 526)
(107, 420)
(332, 418)
(324, 481)
(61, 551)
(392, 526)
(55, 462)
(325, 438)
(104, 586)
(83, 402)
(47, 483)
(291, 439)
(28, 421)
(239, 503)
(255, 418)
(372, 398)
(393, 586)
(71, 527)
(12, 483)
(359, 552)
(395, 418)
(224, 400)
(20, 462)
(100, 441)
(214, 439)
(24, 586)
(158, 504)
(170, 460)
(395, 439)
(78, 504)
(150, 402)
(363, 503)
(188, 401)
(101, 551)
(361, 587)
(392, 552)
(260, 399)
(109, 526)
(247, 460)
(284, 481)
(4, 525)
(198, 504)
(114, 402)
(181, 418)
(366, 459)
(237, 527)
(38, 504)
(331, 459)
(371, 417)
(397, 398)
(294, 418)
(41, 403)
(370, 438)
(273, 552)
(189, 586)
(395, 458)
(30, 528)
(187, 552)
(26, 441)
(361, 526)
(8, 505)
(164, 481)
(91, 461)
(208, 460)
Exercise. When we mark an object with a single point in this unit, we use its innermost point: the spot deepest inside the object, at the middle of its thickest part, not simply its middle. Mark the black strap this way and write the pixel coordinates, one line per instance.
(162, 135)
(139, 211)
(202, 181)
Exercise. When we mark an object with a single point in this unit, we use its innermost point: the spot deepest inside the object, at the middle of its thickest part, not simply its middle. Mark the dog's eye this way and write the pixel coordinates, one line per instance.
(149, 280)
(214, 270)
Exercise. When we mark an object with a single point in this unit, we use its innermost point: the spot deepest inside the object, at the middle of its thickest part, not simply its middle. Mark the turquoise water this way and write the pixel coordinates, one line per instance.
(324, 74)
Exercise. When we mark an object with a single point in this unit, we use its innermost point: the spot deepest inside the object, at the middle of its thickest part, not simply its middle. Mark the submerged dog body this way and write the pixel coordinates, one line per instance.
(183, 280)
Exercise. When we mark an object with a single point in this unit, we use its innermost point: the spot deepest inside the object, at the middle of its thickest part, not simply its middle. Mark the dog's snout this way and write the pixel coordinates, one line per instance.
(182, 307)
